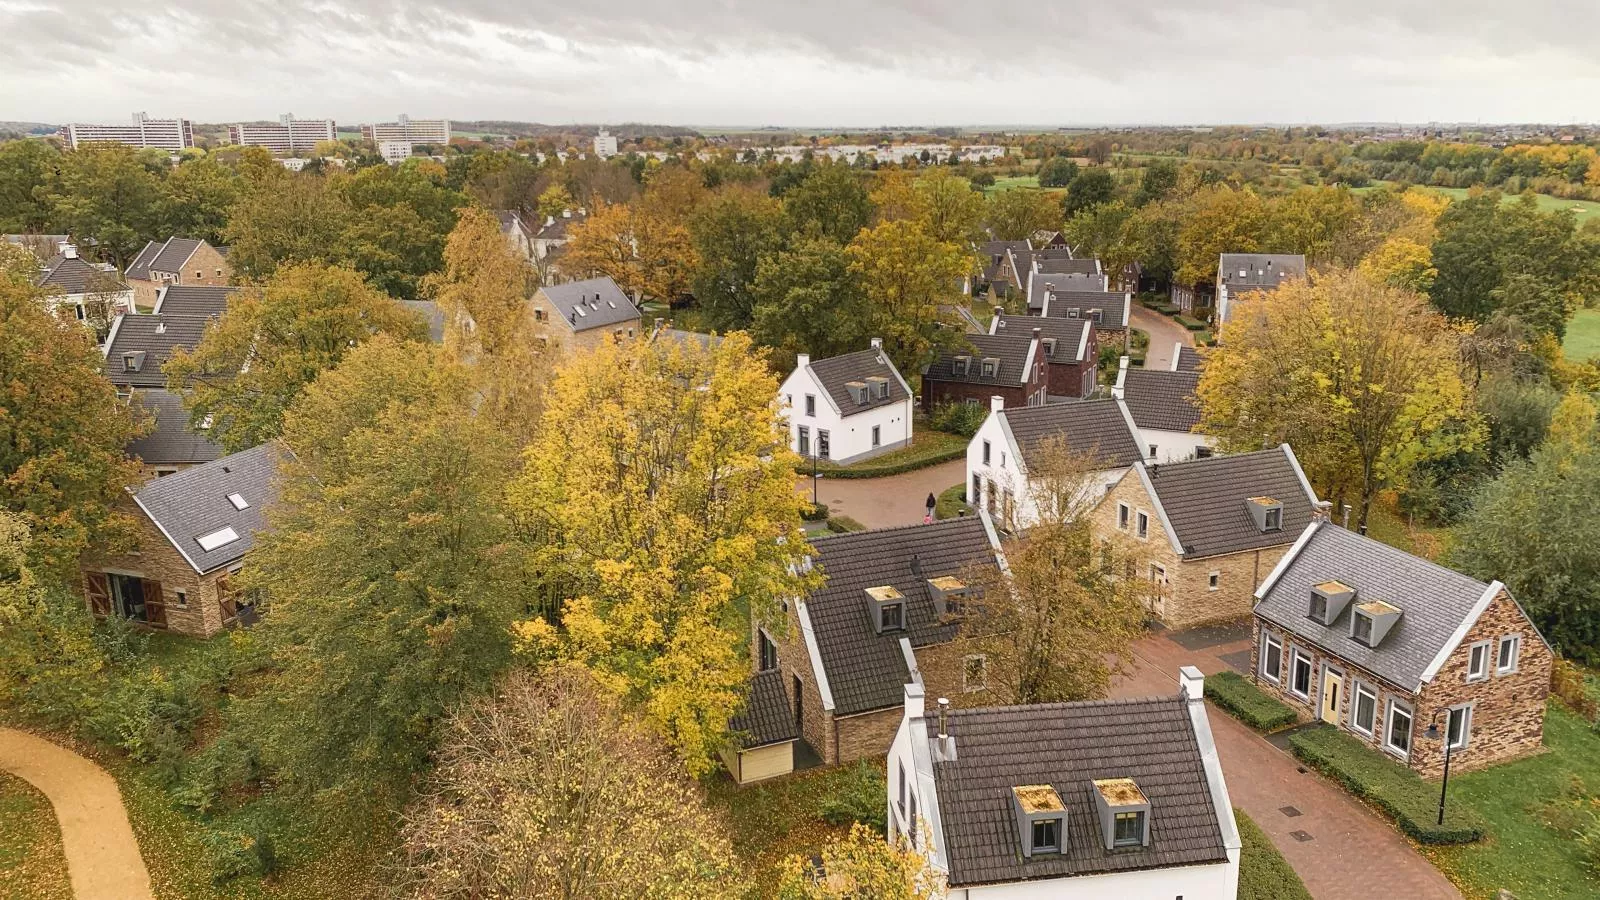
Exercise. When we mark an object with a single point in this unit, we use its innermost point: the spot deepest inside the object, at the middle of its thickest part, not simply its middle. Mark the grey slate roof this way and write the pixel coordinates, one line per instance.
(994, 252)
(174, 254)
(1067, 332)
(591, 303)
(430, 311)
(1162, 400)
(836, 372)
(1067, 746)
(1010, 349)
(170, 442)
(866, 670)
(1433, 600)
(1204, 499)
(556, 228)
(194, 503)
(43, 246)
(1113, 306)
(1188, 360)
(194, 300)
(1067, 265)
(72, 275)
(153, 336)
(140, 267)
(767, 717)
(706, 341)
(1262, 271)
(1096, 427)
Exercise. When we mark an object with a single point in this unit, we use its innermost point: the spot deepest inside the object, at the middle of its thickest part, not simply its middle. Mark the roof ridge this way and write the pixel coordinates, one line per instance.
(1364, 539)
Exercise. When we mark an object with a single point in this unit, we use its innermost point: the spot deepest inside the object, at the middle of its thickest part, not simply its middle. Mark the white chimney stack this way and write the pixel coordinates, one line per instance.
(914, 701)
(997, 403)
(801, 360)
(877, 343)
(68, 250)
(1192, 684)
(1122, 378)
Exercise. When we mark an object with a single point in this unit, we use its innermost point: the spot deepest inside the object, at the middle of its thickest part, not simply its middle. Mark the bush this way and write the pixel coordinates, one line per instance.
(243, 845)
(1248, 703)
(860, 796)
(1388, 785)
(1191, 324)
(959, 418)
(1567, 683)
(952, 502)
(814, 512)
(844, 525)
(1263, 872)
(151, 716)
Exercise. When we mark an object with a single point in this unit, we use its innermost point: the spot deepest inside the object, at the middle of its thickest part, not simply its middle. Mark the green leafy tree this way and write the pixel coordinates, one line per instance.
(1057, 171)
(105, 193)
(1091, 188)
(196, 199)
(831, 202)
(27, 169)
(1159, 181)
(283, 220)
(733, 233)
(554, 202)
(807, 300)
(1014, 215)
(50, 666)
(948, 207)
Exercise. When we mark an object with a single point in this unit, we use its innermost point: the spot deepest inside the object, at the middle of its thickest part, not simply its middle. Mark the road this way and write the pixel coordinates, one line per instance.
(1164, 333)
(885, 502)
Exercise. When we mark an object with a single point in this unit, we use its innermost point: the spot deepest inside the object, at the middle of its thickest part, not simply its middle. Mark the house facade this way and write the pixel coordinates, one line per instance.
(581, 314)
(1381, 644)
(1164, 407)
(1072, 365)
(86, 292)
(847, 408)
(1009, 366)
(1109, 310)
(176, 261)
(1242, 273)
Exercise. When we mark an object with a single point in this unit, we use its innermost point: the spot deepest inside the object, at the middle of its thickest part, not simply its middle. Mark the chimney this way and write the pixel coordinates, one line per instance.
(944, 749)
(944, 718)
(914, 701)
(997, 403)
(801, 360)
(1122, 378)
(877, 343)
(68, 250)
(1322, 511)
(1192, 684)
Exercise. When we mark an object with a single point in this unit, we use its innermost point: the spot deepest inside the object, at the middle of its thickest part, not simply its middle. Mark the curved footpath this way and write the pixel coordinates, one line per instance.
(1164, 332)
(888, 501)
(102, 854)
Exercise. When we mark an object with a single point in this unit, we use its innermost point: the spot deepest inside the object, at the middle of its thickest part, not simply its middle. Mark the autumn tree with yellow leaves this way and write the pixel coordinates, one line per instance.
(861, 864)
(646, 253)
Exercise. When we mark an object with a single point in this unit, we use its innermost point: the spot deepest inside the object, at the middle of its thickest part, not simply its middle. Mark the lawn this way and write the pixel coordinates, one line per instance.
(1263, 872)
(1026, 182)
(32, 865)
(773, 820)
(1584, 209)
(1583, 335)
(952, 502)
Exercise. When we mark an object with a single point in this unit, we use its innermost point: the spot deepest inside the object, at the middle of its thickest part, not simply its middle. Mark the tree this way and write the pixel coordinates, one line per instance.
(644, 254)
(26, 170)
(1090, 189)
(1014, 215)
(50, 665)
(1219, 220)
(1362, 379)
(1159, 181)
(554, 202)
(831, 202)
(104, 193)
(1310, 222)
(678, 522)
(399, 219)
(284, 220)
(272, 342)
(909, 277)
(550, 790)
(1057, 171)
(196, 199)
(860, 865)
(807, 300)
(733, 233)
(947, 206)
(673, 193)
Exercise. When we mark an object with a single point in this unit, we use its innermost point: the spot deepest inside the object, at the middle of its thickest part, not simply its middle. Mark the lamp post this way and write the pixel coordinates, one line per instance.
(1432, 734)
(814, 479)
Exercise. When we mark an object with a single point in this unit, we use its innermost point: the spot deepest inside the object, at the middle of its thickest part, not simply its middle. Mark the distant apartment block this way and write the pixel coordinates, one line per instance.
(171, 135)
(605, 144)
(287, 137)
(394, 152)
(408, 130)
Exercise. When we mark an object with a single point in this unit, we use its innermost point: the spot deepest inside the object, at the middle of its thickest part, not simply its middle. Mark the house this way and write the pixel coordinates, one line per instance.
(662, 330)
(85, 291)
(139, 345)
(518, 234)
(176, 261)
(1021, 261)
(194, 530)
(1110, 310)
(1164, 407)
(887, 614)
(43, 246)
(172, 445)
(1073, 366)
(1062, 275)
(554, 233)
(1094, 800)
(584, 313)
(1013, 444)
(847, 408)
(1382, 644)
(996, 273)
(1210, 530)
(1185, 358)
(1009, 366)
(1242, 273)
(210, 301)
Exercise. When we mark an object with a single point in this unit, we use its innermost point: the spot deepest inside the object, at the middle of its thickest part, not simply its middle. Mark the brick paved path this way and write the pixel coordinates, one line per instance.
(885, 502)
(1164, 331)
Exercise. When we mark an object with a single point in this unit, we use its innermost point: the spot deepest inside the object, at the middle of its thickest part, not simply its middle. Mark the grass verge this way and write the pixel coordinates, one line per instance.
(952, 502)
(1583, 335)
(32, 863)
(773, 820)
(1391, 787)
(1263, 872)
(1238, 697)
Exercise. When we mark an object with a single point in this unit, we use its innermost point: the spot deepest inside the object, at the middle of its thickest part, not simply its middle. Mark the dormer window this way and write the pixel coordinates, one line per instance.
(858, 392)
(879, 387)
(1124, 813)
(990, 367)
(1041, 819)
(1328, 601)
(1049, 346)
(887, 608)
(1372, 621)
(1074, 313)
(963, 365)
(952, 596)
(1266, 513)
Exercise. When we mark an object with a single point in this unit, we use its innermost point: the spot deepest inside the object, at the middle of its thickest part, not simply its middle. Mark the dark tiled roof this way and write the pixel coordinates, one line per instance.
(1113, 306)
(170, 442)
(1096, 427)
(555, 229)
(1261, 270)
(194, 300)
(1162, 400)
(73, 275)
(431, 312)
(153, 336)
(1188, 360)
(1433, 600)
(836, 372)
(1204, 499)
(174, 254)
(866, 670)
(194, 503)
(139, 269)
(1010, 349)
(510, 221)
(706, 341)
(767, 717)
(1068, 266)
(1068, 746)
(591, 303)
(1069, 334)
(993, 252)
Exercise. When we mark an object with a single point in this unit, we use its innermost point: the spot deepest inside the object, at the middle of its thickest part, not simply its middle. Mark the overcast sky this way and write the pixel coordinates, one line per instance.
(804, 62)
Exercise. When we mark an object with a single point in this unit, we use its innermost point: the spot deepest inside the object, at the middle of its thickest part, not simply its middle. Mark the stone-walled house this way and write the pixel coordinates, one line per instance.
(1381, 644)
(847, 408)
(1073, 369)
(1010, 366)
(194, 530)
(1109, 310)
(176, 261)
(1211, 530)
(996, 272)
(1164, 407)
(581, 314)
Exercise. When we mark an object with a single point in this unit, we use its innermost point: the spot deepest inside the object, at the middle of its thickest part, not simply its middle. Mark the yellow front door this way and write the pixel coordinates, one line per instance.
(1332, 686)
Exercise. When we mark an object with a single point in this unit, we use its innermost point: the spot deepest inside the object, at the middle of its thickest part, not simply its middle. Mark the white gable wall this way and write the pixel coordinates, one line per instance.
(849, 437)
(1172, 446)
(1009, 477)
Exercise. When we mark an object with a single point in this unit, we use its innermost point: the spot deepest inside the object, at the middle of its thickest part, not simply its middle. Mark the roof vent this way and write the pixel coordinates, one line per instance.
(1266, 513)
(886, 606)
(1372, 621)
(1041, 819)
(1328, 601)
(1124, 813)
(161, 328)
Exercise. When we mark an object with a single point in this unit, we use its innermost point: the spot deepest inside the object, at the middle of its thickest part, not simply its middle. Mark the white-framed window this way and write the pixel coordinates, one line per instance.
(1213, 580)
(1152, 451)
(1271, 657)
(877, 435)
(1478, 661)
(1364, 710)
(1123, 514)
(974, 673)
(1299, 673)
(811, 404)
(1505, 658)
(1458, 728)
(1143, 531)
(1397, 730)
(986, 453)
(902, 789)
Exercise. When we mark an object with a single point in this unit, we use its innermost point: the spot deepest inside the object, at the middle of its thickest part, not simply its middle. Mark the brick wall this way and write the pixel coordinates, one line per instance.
(1066, 379)
(206, 267)
(816, 724)
(155, 559)
(935, 392)
(866, 735)
(561, 336)
(144, 293)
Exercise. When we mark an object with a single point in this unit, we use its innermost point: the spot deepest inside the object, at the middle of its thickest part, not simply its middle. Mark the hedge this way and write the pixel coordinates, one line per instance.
(1191, 324)
(1263, 872)
(1248, 703)
(1391, 787)
(868, 470)
(814, 512)
(844, 525)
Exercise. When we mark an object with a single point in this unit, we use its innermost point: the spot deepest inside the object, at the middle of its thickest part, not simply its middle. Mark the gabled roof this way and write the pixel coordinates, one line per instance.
(1202, 501)
(1160, 399)
(73, 275)
(1067, 265)
(590, 303)
(1113, 306)
(866, 670)
(767, 717)
(139, 269)
(1041, 284)
(993, 252)
(1071, 335)
(431, 312)
(1437, 604)
(150, 339)
(704, 340)
(1068, 746)
(174, 254)
(193, 300)
(194, 504)
(837, 372)
(1187, 359)
(170, 442)
(1012, 351)
(1259, 271)
(1100, 428)
(510, 222)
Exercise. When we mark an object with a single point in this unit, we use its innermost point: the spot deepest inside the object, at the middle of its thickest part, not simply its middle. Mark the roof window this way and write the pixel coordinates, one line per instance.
(858, 392)
(133, 361)
(887, 608)
(238, 501)
(219, 538)
(1266, 512)
(1041, 819)
(1124, 813)
(1328, 601)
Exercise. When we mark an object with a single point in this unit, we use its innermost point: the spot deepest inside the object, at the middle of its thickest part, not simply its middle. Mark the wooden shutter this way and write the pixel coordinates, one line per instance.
(227, 600)
(155, 607)
(97, 588)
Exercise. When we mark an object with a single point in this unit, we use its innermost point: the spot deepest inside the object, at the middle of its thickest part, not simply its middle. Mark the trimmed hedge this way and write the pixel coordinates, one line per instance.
(1263, 872)
(1388, 785)
(868, 470)
(844, 525)
(951, 502)
(1191, 324)
(1248, 703)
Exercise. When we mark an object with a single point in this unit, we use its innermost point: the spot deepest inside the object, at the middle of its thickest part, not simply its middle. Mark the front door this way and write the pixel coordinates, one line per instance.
(1332, 687)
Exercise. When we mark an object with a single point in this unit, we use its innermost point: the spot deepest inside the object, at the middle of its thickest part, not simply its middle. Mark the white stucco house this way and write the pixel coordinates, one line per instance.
(1163, 405)
(1097, 800)
(847, 408)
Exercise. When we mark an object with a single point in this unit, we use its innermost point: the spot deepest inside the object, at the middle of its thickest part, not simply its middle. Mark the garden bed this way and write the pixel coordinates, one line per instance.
(1396, 790)
(952, 502)
(1263, 872)
(1237, 696)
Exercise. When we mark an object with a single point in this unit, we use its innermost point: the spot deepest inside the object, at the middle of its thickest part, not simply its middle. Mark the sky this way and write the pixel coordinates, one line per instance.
(799, 63)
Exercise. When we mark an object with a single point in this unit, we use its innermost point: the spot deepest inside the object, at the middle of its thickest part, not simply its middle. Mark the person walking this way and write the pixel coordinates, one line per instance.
(932, 502)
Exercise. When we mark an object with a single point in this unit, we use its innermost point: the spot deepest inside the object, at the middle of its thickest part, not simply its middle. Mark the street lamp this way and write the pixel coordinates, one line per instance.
(1432, 734)
(814, 476)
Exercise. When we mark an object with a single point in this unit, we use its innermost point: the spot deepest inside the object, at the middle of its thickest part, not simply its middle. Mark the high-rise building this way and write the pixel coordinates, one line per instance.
(409, 130)
(165, 134)
(605, 144)
(288, 137)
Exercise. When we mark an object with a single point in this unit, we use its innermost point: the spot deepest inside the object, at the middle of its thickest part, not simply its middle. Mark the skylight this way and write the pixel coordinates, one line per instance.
(220, 538)
(238, 501)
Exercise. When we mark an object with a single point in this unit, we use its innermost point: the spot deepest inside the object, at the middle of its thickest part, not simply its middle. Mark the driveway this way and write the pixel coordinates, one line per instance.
(1336, 844)
(102, 855)
(885, 502)
(1164, 332)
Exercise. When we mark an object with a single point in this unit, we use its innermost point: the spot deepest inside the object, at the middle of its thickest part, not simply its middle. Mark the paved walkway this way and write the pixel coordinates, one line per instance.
(885, 502)
(1341, 849)
(1164, 332)
(102, 854)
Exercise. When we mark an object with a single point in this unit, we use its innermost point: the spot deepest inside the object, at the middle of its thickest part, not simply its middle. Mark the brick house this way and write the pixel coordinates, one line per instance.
(581, 314)
(194, 530)
(1164, 407)
(886, 615)
(996, 272)
(1009, 366)
(1073, 368)
(176, 261)
(1109, 310)
(1208, 543)
(1381, 643)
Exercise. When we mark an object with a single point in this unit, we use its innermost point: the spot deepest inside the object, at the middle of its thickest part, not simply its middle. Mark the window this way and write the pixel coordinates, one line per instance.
(811, 404)
(1506, 658)
(1459, 727)
(883, 390)
(183, 599)
(1271, 657)
(877, 433)
(804, 447)
(768, 657)
(1397, 737)
(974, 673)
(1274, 519)
(892, 615)
(989, 366)
(539, 315)
(1047, 836)
(218, 538)
(1152, 451)
(1128, 829)
(1478, 661)
(1144, 525)
(902, 788)
(1202, 452)
(1319, 608)
(913, 819)
(1123, 512)
(1213, 580)
(1299, 673)
(976, 496)
(1361, 627)
(986, 453)
(1364, 710)
(219, 272)
(822, 444)
(238, 501)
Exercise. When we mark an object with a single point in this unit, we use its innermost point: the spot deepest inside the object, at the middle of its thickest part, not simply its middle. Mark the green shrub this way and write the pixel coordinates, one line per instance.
(1388, 785)
(1248, 703)
(1191, 324)
(243, 844)
(1263, 872)
(868, 470)
(861, 796)
(1167, 309)
(844, 525)
(958, 418)
(814, 512)
(952, 501)
(152, 717)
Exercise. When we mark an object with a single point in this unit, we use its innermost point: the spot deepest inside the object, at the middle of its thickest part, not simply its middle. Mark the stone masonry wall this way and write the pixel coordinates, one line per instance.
(866, 735)
(155, 559)
(206, 267)
(816, 724)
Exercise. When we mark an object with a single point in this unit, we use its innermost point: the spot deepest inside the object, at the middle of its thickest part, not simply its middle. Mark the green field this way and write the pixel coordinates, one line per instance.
(1026, 182)
(1583, 335)
(1584, 209)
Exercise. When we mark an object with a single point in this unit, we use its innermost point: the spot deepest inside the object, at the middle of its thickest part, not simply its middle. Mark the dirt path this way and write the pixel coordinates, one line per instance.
(885, 502)
(102, 854)
(1164, 333)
